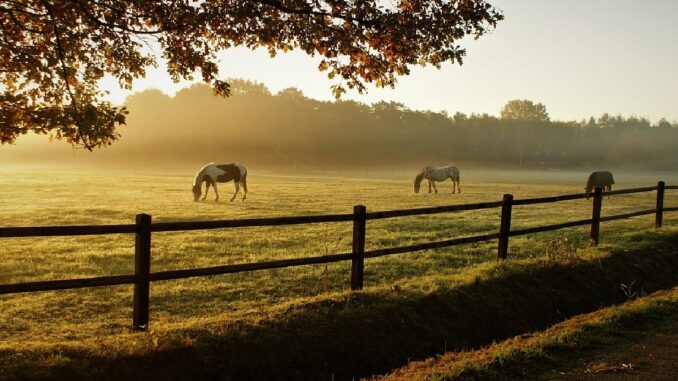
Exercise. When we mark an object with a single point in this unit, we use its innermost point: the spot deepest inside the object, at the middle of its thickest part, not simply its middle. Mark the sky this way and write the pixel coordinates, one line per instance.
(578, 58)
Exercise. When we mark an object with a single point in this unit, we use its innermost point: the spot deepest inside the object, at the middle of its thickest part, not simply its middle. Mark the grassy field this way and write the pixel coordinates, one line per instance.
(33, 197)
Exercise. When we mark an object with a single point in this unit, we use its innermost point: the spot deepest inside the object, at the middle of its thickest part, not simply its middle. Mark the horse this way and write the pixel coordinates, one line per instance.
(433, 174)
(222, 173)
(599, 179)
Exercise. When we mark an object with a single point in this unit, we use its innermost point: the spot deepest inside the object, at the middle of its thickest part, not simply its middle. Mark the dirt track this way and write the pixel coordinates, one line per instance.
(652, 358)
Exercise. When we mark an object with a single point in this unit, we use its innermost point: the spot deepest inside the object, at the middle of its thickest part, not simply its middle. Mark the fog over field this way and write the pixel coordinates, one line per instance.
(290, 131)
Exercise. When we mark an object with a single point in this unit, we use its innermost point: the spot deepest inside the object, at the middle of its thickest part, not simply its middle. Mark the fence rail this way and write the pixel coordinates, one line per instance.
(52, 285)
(51, 231)
(143, 229)
(432, 210)
(544, 200)
(249, 222)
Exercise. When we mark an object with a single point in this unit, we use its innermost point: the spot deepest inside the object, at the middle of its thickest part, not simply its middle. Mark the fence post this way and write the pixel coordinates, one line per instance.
(505, 227)
(597, 206)
(358, 261)
(660, 205)
(142, 270)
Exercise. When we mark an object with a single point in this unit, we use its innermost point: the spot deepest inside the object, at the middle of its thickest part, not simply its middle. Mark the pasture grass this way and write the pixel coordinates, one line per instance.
(347, 335)
(92, 317)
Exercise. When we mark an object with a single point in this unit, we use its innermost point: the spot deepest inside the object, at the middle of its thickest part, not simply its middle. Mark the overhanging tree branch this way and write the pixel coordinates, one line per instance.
(54, 52)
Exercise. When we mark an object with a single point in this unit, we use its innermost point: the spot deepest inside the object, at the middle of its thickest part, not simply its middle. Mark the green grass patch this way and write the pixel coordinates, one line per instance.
(351, 334)
(268, 311)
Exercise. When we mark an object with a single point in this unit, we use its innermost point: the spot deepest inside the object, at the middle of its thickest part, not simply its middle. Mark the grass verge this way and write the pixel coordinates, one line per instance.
(348, 335)
(538, 355)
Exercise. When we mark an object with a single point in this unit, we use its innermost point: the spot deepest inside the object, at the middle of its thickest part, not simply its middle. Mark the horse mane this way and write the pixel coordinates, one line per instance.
(198, 176)
(420, 176)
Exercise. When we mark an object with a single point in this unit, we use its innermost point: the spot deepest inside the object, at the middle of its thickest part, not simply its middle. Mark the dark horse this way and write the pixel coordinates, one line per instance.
(599, 179)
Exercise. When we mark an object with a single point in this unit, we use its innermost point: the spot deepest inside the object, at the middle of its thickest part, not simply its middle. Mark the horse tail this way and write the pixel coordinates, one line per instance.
(453, 173)
(455, 179)
(244, 183)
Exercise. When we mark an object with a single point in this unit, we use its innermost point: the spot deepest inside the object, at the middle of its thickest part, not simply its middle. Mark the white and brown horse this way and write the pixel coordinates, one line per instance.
(433, 174)
(220, 173)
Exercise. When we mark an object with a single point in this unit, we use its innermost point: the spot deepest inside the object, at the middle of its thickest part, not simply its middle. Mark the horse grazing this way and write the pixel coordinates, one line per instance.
(220, 173)
(433, 174)
(599, 179)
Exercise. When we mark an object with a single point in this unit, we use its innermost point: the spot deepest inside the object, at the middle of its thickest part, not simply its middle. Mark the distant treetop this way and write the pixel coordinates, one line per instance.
(524, 110)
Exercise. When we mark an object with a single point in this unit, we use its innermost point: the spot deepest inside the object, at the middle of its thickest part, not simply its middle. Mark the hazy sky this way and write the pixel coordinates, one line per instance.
(579, 58)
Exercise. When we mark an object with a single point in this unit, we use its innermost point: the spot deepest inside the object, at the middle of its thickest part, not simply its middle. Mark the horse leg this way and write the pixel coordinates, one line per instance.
(237, 188)
(434, 186)
(429, 186)
(454, 185)
(207, 188)
(214, 185)
(244, 187)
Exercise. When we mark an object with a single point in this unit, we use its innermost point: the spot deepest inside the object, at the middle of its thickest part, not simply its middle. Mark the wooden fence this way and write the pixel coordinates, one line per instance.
(143, 228)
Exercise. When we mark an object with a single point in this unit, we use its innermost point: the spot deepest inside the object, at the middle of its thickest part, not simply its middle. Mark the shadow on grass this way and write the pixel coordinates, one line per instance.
(360, 334)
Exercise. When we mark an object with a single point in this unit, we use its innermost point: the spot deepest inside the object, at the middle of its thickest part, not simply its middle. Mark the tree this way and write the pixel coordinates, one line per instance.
(459, 117)
(663, 123)
(292, 94)
(524, 110)
(54, 52)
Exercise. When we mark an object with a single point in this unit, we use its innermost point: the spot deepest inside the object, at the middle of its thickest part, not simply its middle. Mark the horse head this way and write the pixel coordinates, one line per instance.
(197, 191)
(417, 182)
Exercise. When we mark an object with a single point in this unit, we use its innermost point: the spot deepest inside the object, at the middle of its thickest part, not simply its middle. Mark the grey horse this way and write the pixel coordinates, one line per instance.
(599, 179)
(433, 174)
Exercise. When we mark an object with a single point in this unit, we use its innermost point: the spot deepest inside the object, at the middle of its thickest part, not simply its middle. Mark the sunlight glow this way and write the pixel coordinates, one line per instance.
(572, 56)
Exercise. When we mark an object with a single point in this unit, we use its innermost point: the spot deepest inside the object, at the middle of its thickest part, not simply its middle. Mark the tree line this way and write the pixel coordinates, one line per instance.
(288, 129)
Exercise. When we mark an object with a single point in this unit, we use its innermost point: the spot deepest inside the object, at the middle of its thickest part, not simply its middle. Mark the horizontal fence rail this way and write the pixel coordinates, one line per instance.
(543, 200)
(53, 285)
(628, 191)
(430, 245)
(238, 268)
(431, 210)
(143, 229)
(250, 222)
(73, 230)
(546, 228)
(629, 215)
